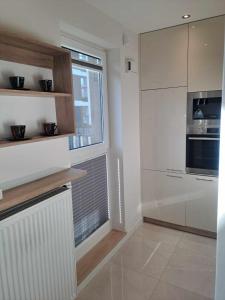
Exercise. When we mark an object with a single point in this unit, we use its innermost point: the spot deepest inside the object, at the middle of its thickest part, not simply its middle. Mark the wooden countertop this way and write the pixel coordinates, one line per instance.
(35, 188)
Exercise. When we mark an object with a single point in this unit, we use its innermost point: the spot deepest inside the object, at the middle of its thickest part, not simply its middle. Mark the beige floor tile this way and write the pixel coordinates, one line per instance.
(195, 273)
(117, 283)
(88, 294)
(184, 264)
(198, 245)
(159, 234)
(146, 256)
(165, 291)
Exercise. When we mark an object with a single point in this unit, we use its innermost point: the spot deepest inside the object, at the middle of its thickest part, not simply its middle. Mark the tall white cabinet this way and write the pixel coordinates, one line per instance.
(174, 61)
(163, 115)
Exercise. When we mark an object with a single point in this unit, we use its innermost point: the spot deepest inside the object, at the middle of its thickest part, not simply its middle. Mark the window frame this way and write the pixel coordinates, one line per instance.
(91, 151)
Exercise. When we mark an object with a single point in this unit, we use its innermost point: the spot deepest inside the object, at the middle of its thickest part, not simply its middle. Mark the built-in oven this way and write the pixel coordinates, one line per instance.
(203, 132)
(202, 154)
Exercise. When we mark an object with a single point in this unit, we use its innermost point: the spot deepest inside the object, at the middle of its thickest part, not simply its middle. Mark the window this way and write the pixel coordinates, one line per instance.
(88, 100)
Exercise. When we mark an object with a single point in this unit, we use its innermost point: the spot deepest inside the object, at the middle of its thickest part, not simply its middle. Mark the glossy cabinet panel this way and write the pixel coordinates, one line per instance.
(201, 207)
(182, 199)
(164, 196)
(164, 58)
(205, 54)
(163, 129)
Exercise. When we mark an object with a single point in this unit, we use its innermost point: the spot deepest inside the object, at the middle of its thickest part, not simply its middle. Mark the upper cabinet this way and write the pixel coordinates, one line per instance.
(205, 55)
(163, 129)
(163, 58)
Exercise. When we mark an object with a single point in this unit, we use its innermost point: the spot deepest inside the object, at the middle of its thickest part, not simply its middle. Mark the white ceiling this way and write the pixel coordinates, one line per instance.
(146, 15)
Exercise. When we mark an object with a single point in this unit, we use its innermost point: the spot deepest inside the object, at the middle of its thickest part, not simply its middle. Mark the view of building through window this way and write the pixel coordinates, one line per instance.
(87, 85)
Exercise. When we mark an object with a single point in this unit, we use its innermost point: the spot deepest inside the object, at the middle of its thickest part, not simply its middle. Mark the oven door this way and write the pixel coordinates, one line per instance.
(202, 154)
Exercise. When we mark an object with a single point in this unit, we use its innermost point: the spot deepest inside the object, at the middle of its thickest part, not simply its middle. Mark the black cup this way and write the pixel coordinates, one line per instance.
(49, 128)
(46, 85)
(18, 131)
(17, 82)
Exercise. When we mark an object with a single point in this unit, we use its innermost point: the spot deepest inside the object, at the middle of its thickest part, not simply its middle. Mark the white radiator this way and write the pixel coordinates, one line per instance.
(37, 253)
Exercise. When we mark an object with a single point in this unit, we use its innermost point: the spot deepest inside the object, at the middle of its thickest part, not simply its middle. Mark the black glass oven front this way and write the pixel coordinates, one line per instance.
(202, 154)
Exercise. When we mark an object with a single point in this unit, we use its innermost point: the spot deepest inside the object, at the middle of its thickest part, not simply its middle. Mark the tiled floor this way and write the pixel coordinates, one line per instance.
(157, 263)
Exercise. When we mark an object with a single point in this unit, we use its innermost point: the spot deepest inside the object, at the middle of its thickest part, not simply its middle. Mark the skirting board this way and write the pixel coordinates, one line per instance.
(188, 229)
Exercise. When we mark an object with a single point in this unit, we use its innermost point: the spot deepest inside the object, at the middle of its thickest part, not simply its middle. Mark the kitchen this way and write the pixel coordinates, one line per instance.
(157, 198)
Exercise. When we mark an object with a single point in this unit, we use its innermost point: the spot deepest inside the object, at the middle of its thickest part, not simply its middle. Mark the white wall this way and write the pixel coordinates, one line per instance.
(43, 22)
(125, 133)
(131, 132)
(220, 272)
(116, 139)
(46, 20)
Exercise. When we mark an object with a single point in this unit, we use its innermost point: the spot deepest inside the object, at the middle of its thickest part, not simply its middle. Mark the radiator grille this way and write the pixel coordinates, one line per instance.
(36, 252)
(90, 199)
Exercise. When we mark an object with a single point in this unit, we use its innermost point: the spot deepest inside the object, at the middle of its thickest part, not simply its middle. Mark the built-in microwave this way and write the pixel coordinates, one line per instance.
(203, 132)
(203, 112)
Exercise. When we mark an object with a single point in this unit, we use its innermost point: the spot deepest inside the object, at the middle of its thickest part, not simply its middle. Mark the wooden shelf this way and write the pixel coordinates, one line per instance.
(6, 143)
(35, 188)
(30, 93)
(36, 53)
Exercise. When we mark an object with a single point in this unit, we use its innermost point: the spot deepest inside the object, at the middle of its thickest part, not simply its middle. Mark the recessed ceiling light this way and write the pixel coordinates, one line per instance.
(186, 16)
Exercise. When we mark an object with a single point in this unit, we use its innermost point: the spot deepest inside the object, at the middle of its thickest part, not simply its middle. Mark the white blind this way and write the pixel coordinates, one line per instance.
(90, 199)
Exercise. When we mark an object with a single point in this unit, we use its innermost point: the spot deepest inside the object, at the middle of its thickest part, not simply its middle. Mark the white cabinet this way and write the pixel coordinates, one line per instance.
(205, 56)
(164, 196)
(201, 207)
(164, 58)
(163, 129)
(182, 199)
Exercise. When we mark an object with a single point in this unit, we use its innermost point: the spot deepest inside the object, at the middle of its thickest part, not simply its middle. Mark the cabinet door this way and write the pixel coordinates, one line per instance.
(164, 196)
(201, 207)
(206, 50)
(163, 129)
(163, 58)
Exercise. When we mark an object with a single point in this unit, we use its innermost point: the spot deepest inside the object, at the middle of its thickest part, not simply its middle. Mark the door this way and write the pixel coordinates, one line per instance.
(201, 207)
(163, 129)
(164, 196)
(164, 58)
(205, 57)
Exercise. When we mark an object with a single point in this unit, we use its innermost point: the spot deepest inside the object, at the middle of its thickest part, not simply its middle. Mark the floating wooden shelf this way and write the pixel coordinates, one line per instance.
(35, 188)
(30, 93)
(7, 143)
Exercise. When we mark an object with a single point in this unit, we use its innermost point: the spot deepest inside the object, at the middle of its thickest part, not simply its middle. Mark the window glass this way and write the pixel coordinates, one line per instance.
(88, 106)
(85, 57)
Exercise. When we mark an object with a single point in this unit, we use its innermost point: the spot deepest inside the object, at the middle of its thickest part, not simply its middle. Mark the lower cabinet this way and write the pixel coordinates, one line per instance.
(201, 207)
(180, 199)
(164, 196)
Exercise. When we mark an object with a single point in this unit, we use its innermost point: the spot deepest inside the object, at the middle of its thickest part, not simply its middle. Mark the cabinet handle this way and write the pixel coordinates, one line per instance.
(203, 179)
(174, 176)
(204, 138)
(174, 170)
